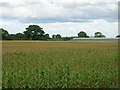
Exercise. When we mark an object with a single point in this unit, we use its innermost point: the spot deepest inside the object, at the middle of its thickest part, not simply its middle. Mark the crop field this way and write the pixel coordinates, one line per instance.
(59, 64)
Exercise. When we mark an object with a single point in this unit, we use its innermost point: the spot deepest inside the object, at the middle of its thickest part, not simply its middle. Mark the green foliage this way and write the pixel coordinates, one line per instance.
(58, 36)
(55, 39)
(60, 65)
(99, 34)
(47, 36)
(3, 34)
(18, 36)
(53, 36)
(34, 32)
(82, 34)
(67, 38)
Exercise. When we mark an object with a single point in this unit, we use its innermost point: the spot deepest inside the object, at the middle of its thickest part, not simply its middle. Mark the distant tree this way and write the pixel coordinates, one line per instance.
(4, 34)
(58, 36)
(12, 37)
(34, 32)
(99, 34)
(20, 36)
(82, 34)
(67, 38)
(117, 36)
(54, 36)
(47, 36)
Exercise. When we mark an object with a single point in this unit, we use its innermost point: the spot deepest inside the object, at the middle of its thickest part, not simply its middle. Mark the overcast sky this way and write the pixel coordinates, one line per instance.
(65, 17)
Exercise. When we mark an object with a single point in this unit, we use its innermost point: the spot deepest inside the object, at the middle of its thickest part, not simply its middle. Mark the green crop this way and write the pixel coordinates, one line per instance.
(60, 65)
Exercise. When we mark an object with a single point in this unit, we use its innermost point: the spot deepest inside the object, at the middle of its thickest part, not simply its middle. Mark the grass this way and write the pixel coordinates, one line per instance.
(60, 64)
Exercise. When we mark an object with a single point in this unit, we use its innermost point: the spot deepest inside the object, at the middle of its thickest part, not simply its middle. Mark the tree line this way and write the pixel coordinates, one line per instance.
(35, 32)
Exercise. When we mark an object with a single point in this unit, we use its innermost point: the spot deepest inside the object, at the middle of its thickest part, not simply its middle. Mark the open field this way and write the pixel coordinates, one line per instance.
(60, 64)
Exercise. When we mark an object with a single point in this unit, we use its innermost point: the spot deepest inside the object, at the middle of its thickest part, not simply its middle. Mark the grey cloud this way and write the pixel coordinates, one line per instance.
(51, 20)
(3, 4)
(10, 6)
(47, 12)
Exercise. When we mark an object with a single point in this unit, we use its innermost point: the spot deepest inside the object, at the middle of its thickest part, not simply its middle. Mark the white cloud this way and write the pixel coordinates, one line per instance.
(60, 16)
(3, 23)
(59, 11)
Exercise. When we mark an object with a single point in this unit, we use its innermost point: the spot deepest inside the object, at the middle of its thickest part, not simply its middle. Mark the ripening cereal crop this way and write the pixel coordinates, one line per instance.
(60, 64)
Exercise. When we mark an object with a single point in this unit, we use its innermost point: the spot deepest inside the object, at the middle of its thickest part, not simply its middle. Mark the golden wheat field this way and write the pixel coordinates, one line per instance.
(59, 64)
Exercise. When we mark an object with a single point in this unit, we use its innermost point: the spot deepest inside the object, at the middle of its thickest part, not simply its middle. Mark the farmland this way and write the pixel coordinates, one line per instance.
(60, 64)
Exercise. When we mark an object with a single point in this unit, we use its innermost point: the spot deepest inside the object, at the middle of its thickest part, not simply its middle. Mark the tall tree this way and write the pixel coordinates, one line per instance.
(3, 34)
(99, 34)
(47, 36)
(20, 36)
(58, 36)
(82, 34)
(12, 37)
(34, 32)
(53, 36)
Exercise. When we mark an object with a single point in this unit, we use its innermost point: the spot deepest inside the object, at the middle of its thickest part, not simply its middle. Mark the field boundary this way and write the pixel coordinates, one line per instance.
(53, 41)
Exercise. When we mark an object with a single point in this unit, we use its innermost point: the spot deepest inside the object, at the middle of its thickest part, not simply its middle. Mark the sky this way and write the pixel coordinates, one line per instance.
(65, 17)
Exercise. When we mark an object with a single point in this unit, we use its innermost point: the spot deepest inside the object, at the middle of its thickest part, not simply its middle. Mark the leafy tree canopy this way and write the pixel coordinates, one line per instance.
(99, 34)
(56, 36)
(34, 32)
(3, 34)
(82, 34)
